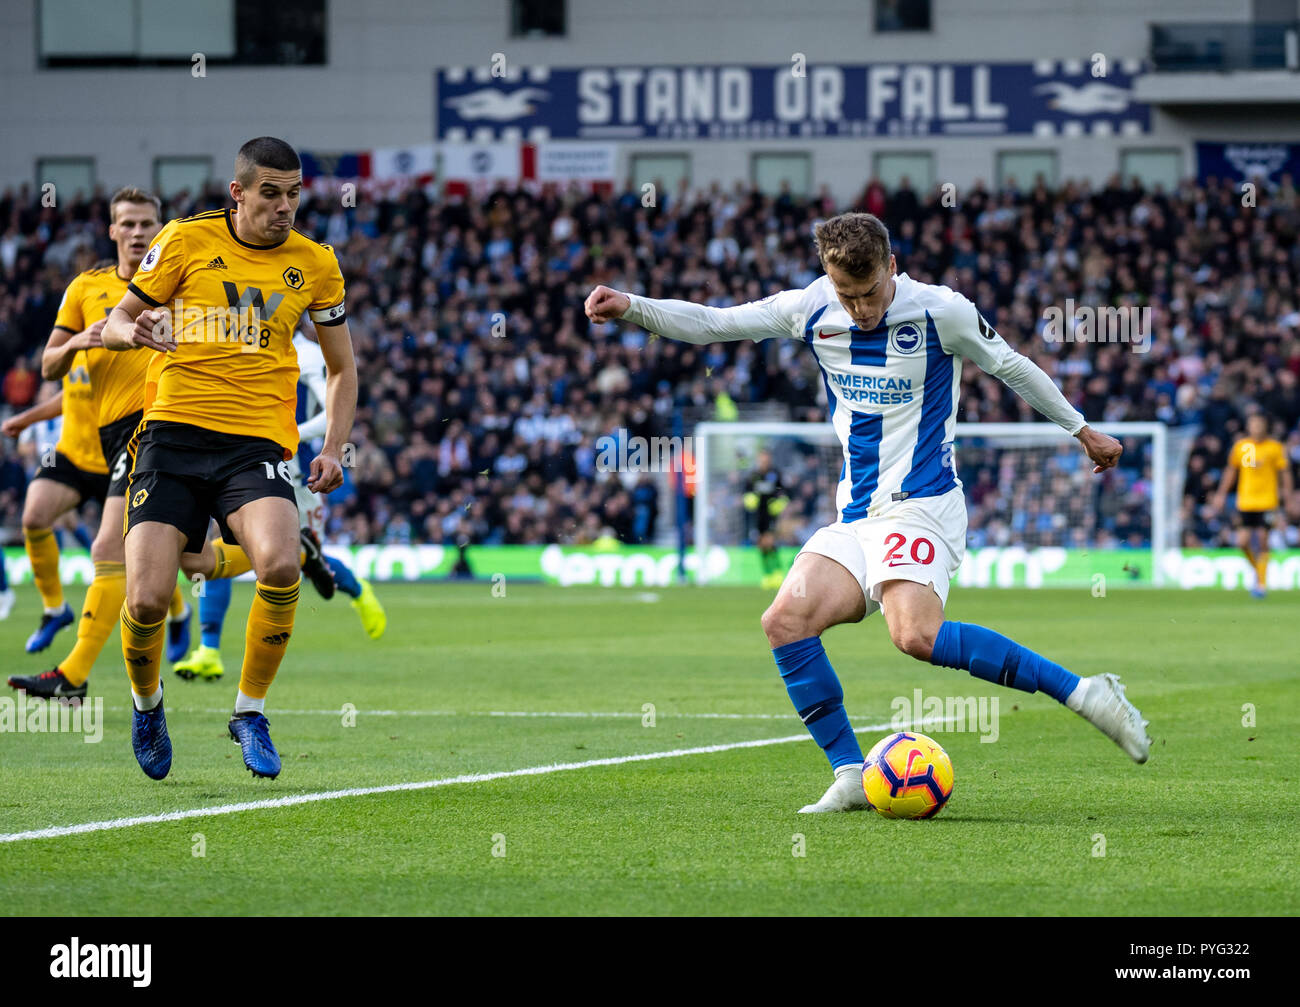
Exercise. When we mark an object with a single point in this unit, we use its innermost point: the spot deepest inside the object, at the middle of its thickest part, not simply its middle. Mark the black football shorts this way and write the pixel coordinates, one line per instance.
(182, 475)
(89, 485)
(1253, 518)
(115, 439)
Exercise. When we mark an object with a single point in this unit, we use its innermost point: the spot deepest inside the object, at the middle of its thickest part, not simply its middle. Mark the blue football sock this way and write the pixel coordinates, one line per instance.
(344, 578)
(994, 658)
(4, 574)
(82, 534)
(816, 694)
(212, 611)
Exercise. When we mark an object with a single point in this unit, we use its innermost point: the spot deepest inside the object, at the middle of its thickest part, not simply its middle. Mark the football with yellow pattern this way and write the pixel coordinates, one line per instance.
(907, 776)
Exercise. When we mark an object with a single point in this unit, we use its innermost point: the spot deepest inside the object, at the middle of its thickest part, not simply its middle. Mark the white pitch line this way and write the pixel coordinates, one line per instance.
(57, 831)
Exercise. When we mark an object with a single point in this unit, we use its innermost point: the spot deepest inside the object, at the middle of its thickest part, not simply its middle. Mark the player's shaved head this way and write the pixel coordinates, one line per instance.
(264, 152)
(856, 243)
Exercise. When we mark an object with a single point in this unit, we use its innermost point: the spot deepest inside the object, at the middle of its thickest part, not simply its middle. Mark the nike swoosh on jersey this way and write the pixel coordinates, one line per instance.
(828, 335)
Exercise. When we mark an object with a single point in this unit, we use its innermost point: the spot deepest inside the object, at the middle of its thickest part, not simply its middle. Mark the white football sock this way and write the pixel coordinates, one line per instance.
(1075, 699)
(247, 704)
(146, 703)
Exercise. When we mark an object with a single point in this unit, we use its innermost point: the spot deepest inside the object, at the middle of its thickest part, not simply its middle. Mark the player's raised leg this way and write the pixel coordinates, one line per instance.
(100, 612)
(914, 614)
(267, 528)
(46, 501)
(178, 625)
(818, 593)
(153, 557)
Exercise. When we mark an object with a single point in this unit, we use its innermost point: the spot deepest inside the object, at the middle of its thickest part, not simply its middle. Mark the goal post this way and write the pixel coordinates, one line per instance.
(1030, 490)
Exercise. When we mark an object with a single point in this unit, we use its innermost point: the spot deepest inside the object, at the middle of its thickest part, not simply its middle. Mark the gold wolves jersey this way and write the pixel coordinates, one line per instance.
(90, 296)
(116, 377)
(234, 307)
(1258, 464)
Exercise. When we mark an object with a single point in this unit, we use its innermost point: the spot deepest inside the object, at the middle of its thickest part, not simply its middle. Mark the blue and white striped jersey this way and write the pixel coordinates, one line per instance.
(892, 391)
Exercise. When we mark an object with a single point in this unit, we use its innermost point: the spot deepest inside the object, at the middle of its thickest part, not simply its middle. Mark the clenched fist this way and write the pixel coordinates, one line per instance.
(326, 473)
(604, 304)
(148, 332)
(1103, 449)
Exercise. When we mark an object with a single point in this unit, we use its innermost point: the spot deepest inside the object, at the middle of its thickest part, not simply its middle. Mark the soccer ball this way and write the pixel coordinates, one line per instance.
(907, 776)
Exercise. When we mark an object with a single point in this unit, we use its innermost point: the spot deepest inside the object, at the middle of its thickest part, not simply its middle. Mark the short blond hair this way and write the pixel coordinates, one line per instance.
(857, 243)
(130, 194)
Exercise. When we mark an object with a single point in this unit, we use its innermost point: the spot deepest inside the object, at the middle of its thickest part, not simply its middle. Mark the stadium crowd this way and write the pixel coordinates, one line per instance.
(484, 389)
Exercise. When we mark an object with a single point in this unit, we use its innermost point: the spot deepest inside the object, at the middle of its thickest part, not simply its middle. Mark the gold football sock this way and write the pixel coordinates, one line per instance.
(270, 623)
(43, 551)
(99, 614)
(142, 648)
(231, 560)
(177, 605)
(1261, 569)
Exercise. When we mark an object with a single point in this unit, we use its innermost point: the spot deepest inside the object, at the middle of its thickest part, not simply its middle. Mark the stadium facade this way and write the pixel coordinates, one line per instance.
(829, 92)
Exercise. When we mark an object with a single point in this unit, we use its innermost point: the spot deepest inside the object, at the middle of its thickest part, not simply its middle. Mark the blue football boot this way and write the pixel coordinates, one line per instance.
(50, 624)
(253, 732)
(153, 748)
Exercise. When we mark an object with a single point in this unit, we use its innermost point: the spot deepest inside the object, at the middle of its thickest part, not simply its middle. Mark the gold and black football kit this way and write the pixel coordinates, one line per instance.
(79, 459)
(116, 380)
(219, 412)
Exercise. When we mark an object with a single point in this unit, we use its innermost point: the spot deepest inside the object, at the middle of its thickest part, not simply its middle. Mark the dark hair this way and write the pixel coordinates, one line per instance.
(264, 152)
(857, 243)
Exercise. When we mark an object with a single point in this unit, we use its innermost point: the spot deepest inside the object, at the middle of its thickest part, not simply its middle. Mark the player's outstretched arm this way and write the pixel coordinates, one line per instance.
(700, 323)
(964, 332)
(133, 324)
(63, 346)
(340, 406)
(47, 410)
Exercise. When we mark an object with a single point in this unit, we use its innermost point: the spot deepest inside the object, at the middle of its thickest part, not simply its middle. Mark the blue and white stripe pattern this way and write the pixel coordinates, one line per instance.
(892, 391)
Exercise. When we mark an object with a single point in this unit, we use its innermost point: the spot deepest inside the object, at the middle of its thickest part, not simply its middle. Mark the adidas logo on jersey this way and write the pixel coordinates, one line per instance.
(217, 264)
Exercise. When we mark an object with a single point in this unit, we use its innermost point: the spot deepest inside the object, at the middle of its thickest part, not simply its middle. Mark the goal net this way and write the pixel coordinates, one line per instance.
(1036, 512)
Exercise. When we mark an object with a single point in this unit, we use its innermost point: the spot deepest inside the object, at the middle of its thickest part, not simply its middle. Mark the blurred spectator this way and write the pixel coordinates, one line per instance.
(484, 390)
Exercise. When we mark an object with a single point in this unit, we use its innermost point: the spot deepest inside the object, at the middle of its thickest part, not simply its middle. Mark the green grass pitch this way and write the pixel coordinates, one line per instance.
(1208, 826)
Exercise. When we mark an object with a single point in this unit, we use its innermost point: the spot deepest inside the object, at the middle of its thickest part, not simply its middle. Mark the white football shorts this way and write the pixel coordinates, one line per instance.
(921, 540)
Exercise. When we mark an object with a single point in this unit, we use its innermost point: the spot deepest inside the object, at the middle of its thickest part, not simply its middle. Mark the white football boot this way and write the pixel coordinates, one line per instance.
(1100, 700)
(845, 794)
